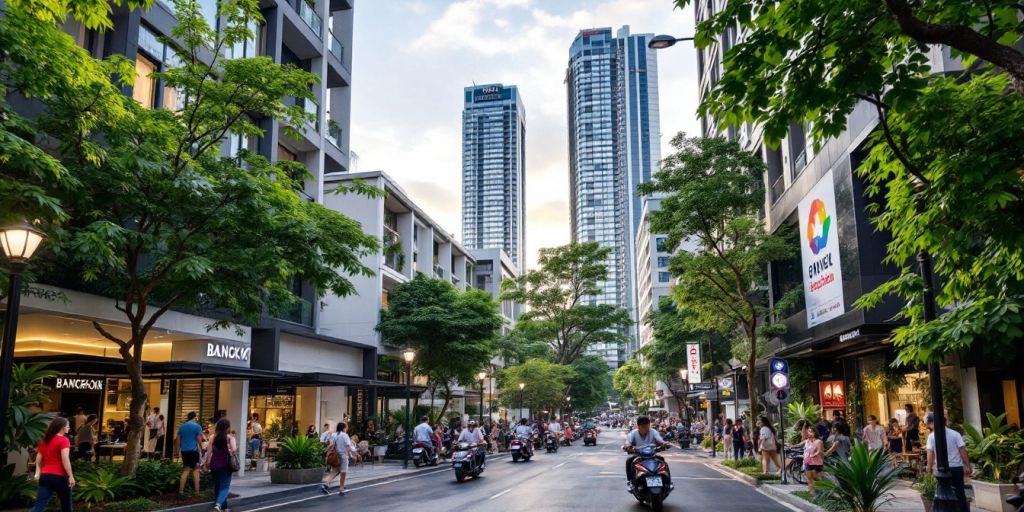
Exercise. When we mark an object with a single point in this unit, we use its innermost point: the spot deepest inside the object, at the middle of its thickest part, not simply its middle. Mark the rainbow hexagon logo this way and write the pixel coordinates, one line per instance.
(818, 222)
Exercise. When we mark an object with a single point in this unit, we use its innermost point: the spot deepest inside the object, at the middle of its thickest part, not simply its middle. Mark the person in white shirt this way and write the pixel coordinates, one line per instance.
(874, 434)
(473, 435)
(327, 435)
(423, 434)
(153, 426)
(346, 450)
(959, 462)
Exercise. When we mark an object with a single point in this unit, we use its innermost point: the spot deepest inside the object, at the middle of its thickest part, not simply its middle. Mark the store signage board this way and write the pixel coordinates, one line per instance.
(702, 386)
(819, 253)
(832, 394)
(693, 362)
(725, 383)
(77, 384)
(215, 351)
(219, 350)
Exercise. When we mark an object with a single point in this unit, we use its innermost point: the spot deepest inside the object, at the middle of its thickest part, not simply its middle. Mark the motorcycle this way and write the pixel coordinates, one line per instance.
(684, 439)
(551, 442)
(521, 447)
(424, 454)
(465, 462)
(652, 481)
(1017, 499)
(590, 437)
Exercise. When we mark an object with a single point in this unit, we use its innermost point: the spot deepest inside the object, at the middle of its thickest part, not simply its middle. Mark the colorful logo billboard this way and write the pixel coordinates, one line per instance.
(819, 251)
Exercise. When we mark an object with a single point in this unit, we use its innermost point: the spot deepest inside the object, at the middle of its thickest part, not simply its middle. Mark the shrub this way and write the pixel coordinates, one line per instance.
(745, 462)
(756, 473)
(300, 453)
(860, 483)
(132, 505)
(153, 478)
(926, 484)
(15, 489)
(102, 485)
(996, 450)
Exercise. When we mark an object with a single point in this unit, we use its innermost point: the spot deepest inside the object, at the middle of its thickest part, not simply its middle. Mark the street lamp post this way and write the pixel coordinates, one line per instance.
(482, 375)
(660, 42)
(409, 355)
(683, 378)
(19, 242)
(521, 386)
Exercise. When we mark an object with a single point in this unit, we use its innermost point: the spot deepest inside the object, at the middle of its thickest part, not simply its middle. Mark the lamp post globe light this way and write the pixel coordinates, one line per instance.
(521, 386)
(663, 41)
(482, 375)
(19, 242)
(409, 355)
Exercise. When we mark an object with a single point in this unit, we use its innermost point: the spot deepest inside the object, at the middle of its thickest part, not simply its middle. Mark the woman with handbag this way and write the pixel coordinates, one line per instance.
(769, 446)
(339, 451)
(221, 460)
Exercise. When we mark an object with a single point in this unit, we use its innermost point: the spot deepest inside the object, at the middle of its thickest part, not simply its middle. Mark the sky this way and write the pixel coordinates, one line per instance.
(412, 58)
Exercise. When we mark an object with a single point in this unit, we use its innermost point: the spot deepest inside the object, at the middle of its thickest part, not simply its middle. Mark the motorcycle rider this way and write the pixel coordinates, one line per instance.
(556, 428)
(524, 430)
(423, 434)
(473, 435)
(643, 436)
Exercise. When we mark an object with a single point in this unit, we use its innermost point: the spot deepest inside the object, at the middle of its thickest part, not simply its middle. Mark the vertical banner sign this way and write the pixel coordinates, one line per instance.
(693, 362)
(819, 251)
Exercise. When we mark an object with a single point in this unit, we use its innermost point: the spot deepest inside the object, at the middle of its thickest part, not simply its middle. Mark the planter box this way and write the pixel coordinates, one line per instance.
(380, 450)
(992, 496)
(928, 504)
(296, 476)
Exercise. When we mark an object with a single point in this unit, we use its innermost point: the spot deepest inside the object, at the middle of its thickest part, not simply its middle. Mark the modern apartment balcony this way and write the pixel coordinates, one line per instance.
(438, 271)
(338, 72)
(303, 33)
(300, 312)
(394, 253)
(307, 138)
(336, 159)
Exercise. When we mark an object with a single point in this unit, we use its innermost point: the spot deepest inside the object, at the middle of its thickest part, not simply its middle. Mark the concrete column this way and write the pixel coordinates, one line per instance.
(333, 405)
(234, 400)
(444, 258)
(426, 250)
(459, 271)
(969, 396)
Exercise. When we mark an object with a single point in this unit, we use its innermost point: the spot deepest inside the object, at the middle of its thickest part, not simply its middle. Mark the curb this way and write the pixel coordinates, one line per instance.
(789, 499)
(243, 501)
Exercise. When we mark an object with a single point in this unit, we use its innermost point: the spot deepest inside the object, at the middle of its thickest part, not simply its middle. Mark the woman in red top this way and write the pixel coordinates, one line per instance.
(53, 467)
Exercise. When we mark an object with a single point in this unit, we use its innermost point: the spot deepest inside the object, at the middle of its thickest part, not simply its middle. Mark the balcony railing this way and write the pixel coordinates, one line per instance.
(438, 271)
(335, 47)
(334, 134)
(311, 107)
(394, 256)
(309, 16)
(299, 312)
(799, 163)
(778, 187)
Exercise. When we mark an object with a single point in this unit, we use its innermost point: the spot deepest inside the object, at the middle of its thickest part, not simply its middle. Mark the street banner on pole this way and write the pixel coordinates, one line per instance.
(693, 362)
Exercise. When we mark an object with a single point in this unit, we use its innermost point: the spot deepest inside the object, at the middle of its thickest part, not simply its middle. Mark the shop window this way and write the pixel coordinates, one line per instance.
(144, 90)
(384, 299)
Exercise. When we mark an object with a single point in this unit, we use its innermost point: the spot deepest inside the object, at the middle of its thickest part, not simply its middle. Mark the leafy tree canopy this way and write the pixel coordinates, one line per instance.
(451, 331)
(633, 381)
(589, 386)
(557, 297)
(545, 385)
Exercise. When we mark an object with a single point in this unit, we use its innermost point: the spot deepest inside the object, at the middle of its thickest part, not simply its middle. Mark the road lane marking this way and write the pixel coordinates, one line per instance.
(500, 494)
(560, 465)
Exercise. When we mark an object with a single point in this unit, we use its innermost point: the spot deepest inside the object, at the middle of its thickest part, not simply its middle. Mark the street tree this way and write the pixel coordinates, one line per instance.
(544, 389)
(556, 295)
(451, 331)
(666, 354)
(589, 385)
(632, 381)
(159, 220)
(521, 345)
(713, 194)
(813, 62)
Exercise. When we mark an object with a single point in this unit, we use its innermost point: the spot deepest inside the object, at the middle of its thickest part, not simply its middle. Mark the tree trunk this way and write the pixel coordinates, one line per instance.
(136, 417)
(751, 385)
(447, 399)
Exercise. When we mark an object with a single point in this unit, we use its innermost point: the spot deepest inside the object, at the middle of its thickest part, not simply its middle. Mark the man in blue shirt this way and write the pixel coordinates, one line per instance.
(190, 438)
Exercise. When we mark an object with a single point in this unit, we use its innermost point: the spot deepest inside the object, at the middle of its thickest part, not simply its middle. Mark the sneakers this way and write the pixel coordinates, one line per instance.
(342, 492)
(323, 489)
(216, 508)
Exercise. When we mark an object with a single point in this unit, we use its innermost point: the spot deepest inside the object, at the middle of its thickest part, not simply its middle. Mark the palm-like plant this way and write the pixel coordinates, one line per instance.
(998, 452)
(860, 483)
(300, 452)
(25, 425)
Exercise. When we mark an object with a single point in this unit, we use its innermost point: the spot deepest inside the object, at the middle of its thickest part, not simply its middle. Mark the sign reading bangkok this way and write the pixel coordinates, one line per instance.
(819, 252)
(79, 384)
(226, 351)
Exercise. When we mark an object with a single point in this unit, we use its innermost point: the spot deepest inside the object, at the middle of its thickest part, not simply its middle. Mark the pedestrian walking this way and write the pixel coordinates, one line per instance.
(190, 438)
(959, 462)
(339, 451)
(85, 438)
(739, 441)
(53, 466)
(874, 434)
(814, 460)
(727, 439)
(895, 436)
(840, 442)
(769, 446)
(219, 463)
(153, 426)
(913, 428)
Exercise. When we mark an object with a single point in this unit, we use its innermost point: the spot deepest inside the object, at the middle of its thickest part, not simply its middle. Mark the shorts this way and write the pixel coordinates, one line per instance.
(343, 466)
(190, 459)
(814, 467)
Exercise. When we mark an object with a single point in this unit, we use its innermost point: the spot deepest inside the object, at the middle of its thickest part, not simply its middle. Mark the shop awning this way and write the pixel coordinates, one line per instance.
(91, 365)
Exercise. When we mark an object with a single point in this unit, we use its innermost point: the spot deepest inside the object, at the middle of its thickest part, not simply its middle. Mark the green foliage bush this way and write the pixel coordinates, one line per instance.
(860, 483)
(153, 478)
(102, 484)
(756, 473)
(15, 489)
(745, 462)
(132, 505)
(300, 452)
(996, 450)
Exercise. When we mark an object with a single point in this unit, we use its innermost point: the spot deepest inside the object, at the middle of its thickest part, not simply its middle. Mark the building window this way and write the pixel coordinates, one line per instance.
(664, 277)
(144, 90)
(384, 299)
(661, 244)
(662, 261)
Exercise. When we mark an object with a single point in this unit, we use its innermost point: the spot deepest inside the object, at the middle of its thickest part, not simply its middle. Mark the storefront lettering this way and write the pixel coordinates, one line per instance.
(224, 351)
(79, 384)
(847, 336)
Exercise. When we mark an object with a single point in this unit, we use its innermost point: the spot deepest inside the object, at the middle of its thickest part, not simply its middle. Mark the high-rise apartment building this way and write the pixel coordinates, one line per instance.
(494, 170)
(613, 147)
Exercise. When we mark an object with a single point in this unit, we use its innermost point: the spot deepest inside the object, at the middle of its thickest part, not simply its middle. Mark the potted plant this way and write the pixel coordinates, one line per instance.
(380, 444)
(998, 455)
(300, 461)
(926, 485)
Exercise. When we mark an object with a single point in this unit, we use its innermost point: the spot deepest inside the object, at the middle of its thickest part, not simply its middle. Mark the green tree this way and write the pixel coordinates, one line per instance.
(160, 220)
(452, 332)
(521, 345)
(633, 382)
(714, 192)
(666, 354)
(545, 385)
(556, 295)
(589, 386)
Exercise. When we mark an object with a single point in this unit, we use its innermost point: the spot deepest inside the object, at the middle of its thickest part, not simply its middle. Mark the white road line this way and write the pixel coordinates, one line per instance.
(500, 494)
(560, 465)
(347, 491)
(780, 502)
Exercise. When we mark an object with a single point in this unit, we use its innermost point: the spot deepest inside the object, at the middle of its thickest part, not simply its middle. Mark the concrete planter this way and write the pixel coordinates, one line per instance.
(296, 476)
(380, 450)
(928, 503)
(991, 496)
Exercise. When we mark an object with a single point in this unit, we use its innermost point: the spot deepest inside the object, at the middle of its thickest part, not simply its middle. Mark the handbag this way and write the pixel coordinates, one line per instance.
(331, 459)
(233, 460)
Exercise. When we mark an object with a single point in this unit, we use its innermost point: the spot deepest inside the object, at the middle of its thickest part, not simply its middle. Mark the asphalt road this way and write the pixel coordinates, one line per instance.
(576, 477)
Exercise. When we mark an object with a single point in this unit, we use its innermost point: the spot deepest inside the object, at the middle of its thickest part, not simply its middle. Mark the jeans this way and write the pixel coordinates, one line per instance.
(738, 448)
(56, 484)
(958, 487)
(254, 448)
(221, 485)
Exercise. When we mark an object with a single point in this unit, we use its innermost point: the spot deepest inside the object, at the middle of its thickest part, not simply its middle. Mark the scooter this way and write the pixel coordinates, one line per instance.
(465, 462)
(521, 447)
(684, 439)
(652, 481)
(590, 437)
(424, 454)
(551, 443)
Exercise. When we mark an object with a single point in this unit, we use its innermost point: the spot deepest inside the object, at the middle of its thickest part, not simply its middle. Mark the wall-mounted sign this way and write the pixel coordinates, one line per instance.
(702, 386)
(693, 362)
(725, 383)
(490, 90)
(227, 351)
(78, 384)
(847, 336)
(832, 394)
(819, 252)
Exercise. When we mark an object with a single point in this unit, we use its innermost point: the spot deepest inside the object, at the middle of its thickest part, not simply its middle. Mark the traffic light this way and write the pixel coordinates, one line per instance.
(779, 378)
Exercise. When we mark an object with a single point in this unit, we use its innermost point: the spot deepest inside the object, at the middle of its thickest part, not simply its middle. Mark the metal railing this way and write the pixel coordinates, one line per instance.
(393, 259)
(335, 47)
(438, 271)
(309, 16)
(299, 312)
(311, 107)
(334, 134)
(778, 187)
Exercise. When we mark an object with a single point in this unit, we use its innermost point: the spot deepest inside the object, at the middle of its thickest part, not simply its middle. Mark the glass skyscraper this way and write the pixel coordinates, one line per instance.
(612, 85)
(494, 170)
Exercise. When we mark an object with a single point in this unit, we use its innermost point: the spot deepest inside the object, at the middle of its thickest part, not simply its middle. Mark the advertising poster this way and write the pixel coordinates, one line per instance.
(819, 251)
(693, 362)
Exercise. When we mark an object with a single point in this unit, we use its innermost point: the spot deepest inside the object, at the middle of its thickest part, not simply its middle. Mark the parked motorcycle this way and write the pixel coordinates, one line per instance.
(551, 442)
(521, 447)
(465, 462)
(424, 454)
(1017, 499)
(652, 481)
(590, 437)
